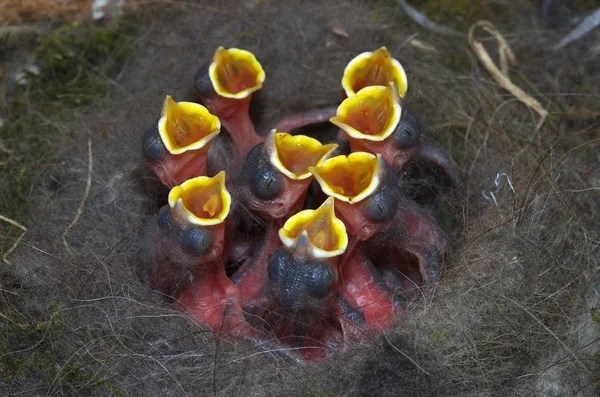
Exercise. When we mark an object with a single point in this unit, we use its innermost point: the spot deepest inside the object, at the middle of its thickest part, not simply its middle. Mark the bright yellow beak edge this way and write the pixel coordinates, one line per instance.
(202, 200)
(350, 178)
(235, 73)
(372, 114)
(318, 232)
(293, 155)
(186, 126)
(374, 68)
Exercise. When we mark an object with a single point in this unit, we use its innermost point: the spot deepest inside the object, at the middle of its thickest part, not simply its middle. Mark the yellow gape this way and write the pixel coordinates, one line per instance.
(374, 68)
(235, 73)
(202, 201)
(372, 114)
(186, 126)
(293, 155)
(350, 178)
(317, 233)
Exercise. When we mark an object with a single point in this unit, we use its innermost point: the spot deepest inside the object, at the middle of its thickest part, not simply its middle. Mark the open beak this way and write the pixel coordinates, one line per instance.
(372, 114)
(350, 178)
(315, 233)
(201, 201)
(235, 73)
(226, 88)
(374, 68)
(186, 126)
(355, 181)
(192, 231)
(375, 122)
(280, 175)
(201, 205)
(177, 150)
(293, 155)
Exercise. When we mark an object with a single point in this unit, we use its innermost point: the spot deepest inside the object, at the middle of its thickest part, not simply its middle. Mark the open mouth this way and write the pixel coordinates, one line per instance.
(318, 233)
(372, 114)
(293, 155)
(186, 126)
(202, 200)
(295, 266)
(374, 68)
(235, 73)
(350, 178)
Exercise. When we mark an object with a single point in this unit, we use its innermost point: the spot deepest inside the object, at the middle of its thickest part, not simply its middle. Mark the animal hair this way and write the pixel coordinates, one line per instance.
(514, 311)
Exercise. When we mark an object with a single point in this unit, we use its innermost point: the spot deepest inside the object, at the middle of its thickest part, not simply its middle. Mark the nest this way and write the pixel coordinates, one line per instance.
(514, 311)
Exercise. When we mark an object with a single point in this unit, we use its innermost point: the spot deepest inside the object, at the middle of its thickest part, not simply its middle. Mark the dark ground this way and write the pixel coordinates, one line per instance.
(516, 310)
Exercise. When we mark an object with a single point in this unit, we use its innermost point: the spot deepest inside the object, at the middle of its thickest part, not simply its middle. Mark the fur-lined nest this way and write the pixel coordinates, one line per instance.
(515, 311)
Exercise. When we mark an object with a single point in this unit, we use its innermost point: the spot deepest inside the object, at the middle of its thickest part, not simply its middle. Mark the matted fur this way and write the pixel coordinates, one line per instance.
(513, 311)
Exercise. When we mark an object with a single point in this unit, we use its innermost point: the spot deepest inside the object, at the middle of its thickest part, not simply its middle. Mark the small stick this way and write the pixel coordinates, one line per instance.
(501, 76)
(591, 22)
(504, 51)
(88, 185)
(17, 241)
(426, 23)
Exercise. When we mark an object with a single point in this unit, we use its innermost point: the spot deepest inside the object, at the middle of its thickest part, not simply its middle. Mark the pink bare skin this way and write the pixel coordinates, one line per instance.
(235, 117)
(175, 262)
(437, 158)
(263, 190)
(412, 230)
(305, 118)
(191, 269)
(209, 295)
(395, 157)
(233, 113)
(288, 203)
(214, 300)
(251, 278)
(368, 308)
(358, 225)
(421, 237)
(414, 246)
(388, 267)
(173, 170)
(313, 334)
(389, 222)
(310, 330)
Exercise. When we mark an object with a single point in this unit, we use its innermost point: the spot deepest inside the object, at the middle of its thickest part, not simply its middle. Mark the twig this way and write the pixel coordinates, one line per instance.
(88, 185)
(591, 22)
(500, 76)
(17, 241)
(423, 46)
(426, 23)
